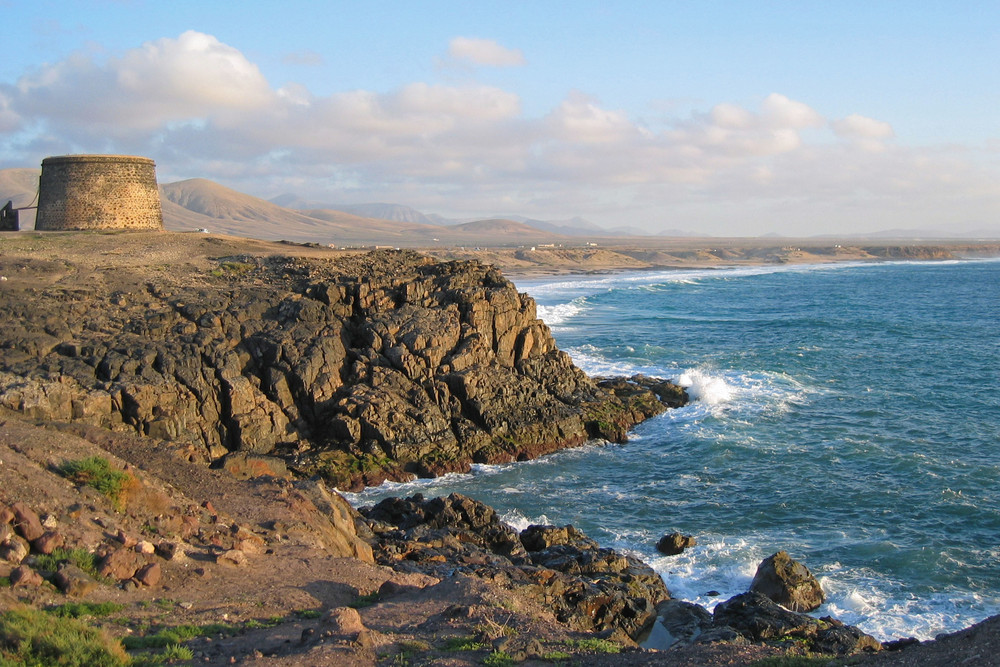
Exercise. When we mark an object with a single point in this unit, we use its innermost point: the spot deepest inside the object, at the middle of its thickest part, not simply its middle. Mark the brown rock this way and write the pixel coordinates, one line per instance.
(14, 549)
(26, 522)
(149, 574)
(25, 576)
(233, 557)
(787, 582)
(675, 543)
(48, 542)
(6, 514)
(125, 539)
(120, 564)
(169, 550)
(144, 547)
(73, 581)
(344, 621)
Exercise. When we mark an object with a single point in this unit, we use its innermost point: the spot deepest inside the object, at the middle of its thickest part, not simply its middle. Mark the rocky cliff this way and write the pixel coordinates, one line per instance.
(359, 367)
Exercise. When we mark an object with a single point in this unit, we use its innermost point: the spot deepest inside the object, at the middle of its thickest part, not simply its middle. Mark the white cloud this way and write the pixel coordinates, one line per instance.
(484, 52)
(866, 133)
(194, 75)
(202, 108)
(857, 126)
(780, 111)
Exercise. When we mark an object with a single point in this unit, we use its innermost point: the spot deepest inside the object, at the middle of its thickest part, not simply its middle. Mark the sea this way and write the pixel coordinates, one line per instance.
(847, 413)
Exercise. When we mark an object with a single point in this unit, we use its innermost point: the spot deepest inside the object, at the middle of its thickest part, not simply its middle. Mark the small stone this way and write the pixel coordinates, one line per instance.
(14, 550)
(48, 542)
(120, 564)
(6, 514)
(149, 574)
(343, 621)
(73, 581)
(125, 539)
(232, 557)
(144, 547)
(49, 522)
(25, 576)
(168, 550)
(26, 522)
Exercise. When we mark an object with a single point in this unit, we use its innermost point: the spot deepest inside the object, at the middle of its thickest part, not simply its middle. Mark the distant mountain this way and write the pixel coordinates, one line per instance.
(571, 227)
(394, 212)
(502, 227)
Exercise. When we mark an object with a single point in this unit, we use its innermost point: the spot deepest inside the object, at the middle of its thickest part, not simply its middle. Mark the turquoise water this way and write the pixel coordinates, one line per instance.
(848, 414)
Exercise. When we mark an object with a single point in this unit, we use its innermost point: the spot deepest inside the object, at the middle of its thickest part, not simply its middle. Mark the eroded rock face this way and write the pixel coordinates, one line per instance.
(759, 619)
(587, 587)
(369, 367)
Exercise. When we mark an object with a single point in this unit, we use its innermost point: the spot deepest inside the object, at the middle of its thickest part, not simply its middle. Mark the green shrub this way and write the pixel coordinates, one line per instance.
(594, 645)
(80, 609)
(96, 472)
(33, 638)
(463, 644)
(364, 601)
(82, 558)
(798, 661)
(498, 659)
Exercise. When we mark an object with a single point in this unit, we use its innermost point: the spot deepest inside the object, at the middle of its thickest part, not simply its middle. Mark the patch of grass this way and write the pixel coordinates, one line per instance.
(80, 557)
(463, 644)
(4, 582)
(498, 659)
(81, 609)
(556, 656)
(409, 648)
(798, 661)
(96, 472)
(33, 638)
(363, 601)
(231, 268)
(309, 613)
(594, 645)
(169, 655)
(254, 624)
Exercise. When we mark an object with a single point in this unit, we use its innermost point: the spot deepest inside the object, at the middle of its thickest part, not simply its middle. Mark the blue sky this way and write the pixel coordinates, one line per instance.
(726, 118)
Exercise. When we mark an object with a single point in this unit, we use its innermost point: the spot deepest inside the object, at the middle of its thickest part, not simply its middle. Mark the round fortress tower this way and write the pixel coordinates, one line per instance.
(91, 192)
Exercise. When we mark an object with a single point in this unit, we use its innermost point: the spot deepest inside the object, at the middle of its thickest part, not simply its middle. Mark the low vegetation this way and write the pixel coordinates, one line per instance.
(96, 472)
(33, 638)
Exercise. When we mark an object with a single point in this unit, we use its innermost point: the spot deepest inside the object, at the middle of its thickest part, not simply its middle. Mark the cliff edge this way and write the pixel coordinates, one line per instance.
(258, 357)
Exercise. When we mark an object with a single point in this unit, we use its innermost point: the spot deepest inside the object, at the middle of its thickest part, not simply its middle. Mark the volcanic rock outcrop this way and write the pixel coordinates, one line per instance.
(362, 368)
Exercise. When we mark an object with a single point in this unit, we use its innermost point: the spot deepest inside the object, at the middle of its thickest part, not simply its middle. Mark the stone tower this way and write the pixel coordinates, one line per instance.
(93, 192)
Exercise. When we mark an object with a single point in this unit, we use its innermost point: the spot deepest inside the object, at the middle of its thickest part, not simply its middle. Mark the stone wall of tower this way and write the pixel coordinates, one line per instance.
(97, 192)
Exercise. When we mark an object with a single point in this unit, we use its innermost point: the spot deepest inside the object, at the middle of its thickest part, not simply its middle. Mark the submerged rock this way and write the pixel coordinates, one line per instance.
(675, 543)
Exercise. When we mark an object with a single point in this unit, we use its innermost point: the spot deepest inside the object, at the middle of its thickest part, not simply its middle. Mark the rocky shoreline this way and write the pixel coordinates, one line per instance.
(227, 386)
(360, 368)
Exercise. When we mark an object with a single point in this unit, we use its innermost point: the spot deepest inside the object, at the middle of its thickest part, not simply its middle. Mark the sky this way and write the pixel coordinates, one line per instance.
(737, 118)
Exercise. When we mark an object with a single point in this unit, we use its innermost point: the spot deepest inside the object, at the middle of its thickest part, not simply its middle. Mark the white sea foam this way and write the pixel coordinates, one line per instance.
(710, 389)
(557, 314)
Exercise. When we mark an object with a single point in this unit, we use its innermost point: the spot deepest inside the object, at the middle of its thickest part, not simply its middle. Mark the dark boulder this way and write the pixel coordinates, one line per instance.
(787, 582)
(675, 543)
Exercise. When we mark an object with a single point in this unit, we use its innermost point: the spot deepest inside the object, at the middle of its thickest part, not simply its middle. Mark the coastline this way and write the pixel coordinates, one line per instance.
(544, 261)
(76, 285)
